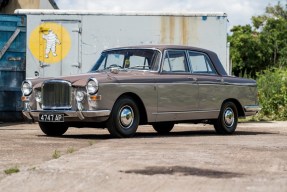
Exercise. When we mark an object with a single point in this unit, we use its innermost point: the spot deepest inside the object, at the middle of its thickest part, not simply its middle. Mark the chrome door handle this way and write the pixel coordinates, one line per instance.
(192, 78)
(220, 79)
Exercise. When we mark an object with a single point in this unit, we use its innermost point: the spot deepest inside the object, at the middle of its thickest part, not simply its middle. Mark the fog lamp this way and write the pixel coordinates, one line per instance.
(38, 96)
(80, 95)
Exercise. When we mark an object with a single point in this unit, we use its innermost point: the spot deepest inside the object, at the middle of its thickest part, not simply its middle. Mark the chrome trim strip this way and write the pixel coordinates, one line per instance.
(186, 82)
(184, 112)
(252, 108)
(199, 82)
(76, 114)
(101, 113)
(241, 84)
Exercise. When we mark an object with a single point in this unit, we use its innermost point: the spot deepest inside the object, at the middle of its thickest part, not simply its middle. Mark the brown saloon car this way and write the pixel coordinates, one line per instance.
(132, 86)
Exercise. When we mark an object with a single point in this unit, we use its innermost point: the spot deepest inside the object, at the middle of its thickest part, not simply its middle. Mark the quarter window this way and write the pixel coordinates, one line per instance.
(175, 61)
(200, 63)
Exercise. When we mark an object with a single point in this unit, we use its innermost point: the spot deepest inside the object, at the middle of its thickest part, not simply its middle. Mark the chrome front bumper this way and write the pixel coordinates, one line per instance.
(251, 110)
(69, 115)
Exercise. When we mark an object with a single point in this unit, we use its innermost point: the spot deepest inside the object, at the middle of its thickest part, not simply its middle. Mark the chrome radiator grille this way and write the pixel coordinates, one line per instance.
(56, 94)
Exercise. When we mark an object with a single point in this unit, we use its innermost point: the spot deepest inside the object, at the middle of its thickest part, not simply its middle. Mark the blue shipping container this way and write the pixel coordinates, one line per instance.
(12, 66)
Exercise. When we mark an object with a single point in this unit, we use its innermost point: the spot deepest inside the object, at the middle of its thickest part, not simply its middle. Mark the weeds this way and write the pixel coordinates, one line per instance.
(12, 170)
(71, 150)
(272, 88)
(56, 154)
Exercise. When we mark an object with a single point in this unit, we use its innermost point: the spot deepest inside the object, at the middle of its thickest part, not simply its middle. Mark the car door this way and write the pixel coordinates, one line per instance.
(177, 91)
(210, 84)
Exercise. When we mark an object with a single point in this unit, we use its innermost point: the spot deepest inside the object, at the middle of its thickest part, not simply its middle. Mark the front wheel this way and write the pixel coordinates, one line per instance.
(124, 119)
(53, 129)
(227, 120)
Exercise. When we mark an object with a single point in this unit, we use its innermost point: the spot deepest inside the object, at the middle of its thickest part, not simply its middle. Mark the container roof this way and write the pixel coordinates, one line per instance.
(104, 12)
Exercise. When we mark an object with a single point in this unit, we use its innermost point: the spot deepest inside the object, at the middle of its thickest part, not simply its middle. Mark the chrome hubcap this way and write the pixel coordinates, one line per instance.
(126, 116)
(229, 117)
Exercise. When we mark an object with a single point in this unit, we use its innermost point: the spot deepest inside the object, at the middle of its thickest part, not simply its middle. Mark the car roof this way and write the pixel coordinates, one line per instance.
(211, 54)
(162, 47)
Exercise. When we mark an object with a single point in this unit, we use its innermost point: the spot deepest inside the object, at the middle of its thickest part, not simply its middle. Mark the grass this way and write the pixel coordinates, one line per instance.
(12, 170)
(71, 150)
(56, 154)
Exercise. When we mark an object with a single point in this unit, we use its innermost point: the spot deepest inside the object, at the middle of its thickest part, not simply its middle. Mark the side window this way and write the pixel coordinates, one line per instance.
(175, 61)
(200, 63)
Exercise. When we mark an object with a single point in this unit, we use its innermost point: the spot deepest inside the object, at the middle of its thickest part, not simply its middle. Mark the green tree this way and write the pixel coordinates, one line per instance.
(262, 45)
(244, 50)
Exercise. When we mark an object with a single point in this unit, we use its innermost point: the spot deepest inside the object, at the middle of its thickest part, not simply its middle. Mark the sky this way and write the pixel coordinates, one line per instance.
(239, 11)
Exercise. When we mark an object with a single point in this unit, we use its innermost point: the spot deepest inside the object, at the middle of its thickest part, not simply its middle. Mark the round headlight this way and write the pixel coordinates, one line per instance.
(26, 88)
(92, 86)
(80, 96)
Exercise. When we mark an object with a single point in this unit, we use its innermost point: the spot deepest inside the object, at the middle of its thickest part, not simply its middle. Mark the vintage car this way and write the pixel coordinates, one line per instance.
(131, 86)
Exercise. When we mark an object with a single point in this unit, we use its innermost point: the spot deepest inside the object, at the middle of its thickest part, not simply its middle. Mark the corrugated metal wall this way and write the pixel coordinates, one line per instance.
(12, 65)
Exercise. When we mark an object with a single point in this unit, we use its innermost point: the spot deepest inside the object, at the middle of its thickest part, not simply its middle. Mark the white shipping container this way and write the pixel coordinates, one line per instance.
(62, 42)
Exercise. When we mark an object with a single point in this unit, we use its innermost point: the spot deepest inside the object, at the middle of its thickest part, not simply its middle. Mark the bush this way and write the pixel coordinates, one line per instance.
(272, 89)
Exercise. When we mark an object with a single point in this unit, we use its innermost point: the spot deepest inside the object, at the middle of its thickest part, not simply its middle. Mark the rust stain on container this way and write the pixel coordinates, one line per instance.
(167, 30)
(171, 29)
(184, 30)
(162, 30)
(174, 30)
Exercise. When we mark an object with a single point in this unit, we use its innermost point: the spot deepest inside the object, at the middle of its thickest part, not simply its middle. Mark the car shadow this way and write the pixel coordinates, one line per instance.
(82, 136)
(192, 133)
(13, 126)
(9, 124)
(201, 133)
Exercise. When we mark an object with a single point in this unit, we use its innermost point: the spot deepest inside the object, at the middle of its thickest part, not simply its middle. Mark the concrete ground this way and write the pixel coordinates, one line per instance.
(191, 158)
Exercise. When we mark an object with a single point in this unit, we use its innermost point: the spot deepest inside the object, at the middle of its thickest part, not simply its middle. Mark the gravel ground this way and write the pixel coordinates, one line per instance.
(191, 158)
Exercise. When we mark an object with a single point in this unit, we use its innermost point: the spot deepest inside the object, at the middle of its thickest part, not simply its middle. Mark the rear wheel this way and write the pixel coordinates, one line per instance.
(227, 120)
(163, 128)
(124, 119)
(53, 129)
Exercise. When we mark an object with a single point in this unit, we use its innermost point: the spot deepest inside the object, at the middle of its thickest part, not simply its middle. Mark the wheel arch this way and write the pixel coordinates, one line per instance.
(238, 106)
(139, 102)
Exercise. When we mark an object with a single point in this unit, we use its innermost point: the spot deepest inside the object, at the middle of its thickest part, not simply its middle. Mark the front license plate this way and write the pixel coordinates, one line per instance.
(51, 117)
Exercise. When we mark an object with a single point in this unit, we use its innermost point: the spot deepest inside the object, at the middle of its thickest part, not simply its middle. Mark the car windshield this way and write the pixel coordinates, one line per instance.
(128, 59)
